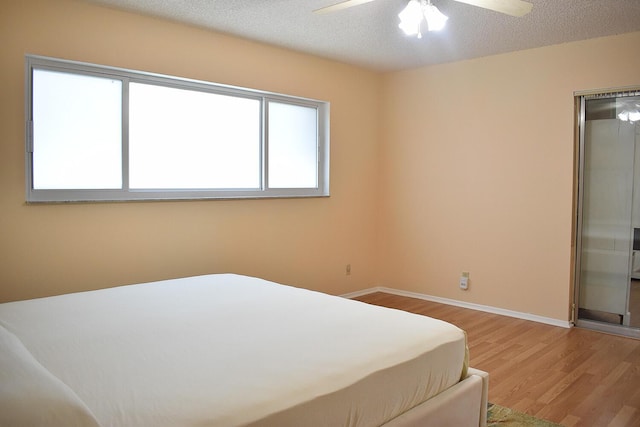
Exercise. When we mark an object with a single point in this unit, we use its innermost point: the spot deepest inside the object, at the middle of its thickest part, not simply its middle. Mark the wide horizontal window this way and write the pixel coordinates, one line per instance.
(100, 133)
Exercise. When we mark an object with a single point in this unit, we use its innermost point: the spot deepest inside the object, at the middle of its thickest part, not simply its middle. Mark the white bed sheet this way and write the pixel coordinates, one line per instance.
(230, 350)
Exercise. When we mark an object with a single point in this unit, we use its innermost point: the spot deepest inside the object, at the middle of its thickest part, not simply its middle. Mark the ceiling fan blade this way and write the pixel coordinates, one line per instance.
(342, 5)
(510, 7)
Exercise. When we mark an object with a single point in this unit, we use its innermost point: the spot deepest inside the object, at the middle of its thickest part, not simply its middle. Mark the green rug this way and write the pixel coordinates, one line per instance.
(499, 416)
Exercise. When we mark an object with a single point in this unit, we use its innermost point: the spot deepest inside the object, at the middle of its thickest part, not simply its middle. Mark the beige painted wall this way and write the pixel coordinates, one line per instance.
(478, 172)
(463, 166)
(51, 249)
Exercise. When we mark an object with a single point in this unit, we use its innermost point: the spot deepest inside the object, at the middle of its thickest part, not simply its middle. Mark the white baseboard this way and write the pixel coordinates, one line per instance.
(364, 292)
(463, 304)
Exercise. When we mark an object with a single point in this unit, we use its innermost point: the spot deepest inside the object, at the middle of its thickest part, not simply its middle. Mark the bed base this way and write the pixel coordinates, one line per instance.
(463, 405)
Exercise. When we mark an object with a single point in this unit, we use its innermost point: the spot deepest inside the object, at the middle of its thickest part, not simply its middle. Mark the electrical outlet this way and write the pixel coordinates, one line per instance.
(464, 280)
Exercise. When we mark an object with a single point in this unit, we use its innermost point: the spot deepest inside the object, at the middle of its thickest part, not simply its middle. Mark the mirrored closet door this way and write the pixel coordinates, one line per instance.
(608, 237)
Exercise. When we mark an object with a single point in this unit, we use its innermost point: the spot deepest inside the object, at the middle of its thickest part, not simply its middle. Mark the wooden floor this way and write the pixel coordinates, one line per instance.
(575, 377)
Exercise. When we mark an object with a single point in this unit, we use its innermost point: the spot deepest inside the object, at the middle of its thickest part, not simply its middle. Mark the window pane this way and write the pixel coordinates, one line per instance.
(77, 131)
(293, 146)
(185, 139)
(106, 134)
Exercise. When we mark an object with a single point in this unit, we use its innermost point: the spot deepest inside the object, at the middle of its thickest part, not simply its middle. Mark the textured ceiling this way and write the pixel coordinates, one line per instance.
(368, 35)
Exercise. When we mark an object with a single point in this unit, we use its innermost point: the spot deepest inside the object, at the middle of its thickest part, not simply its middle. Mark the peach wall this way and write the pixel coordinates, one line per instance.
(462, 166)
(477, 172)
(51, 249)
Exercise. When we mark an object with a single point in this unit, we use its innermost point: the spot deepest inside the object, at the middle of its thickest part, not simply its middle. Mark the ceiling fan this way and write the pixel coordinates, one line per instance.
(412, 16)
(510, 7)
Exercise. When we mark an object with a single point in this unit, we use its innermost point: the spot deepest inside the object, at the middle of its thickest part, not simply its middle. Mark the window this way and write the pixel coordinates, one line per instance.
(99, 133)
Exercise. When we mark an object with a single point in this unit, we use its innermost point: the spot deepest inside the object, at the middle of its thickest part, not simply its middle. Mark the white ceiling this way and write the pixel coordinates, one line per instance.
(368, 35)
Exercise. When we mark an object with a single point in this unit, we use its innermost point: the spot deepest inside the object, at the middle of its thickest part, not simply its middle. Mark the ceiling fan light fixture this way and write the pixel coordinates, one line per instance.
(410, 18)
(436, 20)
(416, 10)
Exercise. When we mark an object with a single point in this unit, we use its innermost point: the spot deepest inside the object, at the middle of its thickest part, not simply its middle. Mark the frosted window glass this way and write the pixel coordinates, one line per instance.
(184, 139)
(293, 146)
(77, 131)
(106, 134)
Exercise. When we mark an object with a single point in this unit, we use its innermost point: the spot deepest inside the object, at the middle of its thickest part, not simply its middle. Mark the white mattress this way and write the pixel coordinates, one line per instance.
(224, 350)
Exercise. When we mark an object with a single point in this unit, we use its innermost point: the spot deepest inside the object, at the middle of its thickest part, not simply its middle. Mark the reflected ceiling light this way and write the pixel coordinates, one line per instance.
(630, 114)
(411, 17)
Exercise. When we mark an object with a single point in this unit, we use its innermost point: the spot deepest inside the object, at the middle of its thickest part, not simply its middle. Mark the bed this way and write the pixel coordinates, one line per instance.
(230, 350)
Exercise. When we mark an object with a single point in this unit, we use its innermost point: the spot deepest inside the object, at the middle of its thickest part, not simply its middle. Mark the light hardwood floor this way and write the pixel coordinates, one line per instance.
(575, 377)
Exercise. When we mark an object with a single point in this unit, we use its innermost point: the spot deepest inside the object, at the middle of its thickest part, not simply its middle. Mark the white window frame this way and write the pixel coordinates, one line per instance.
(127, 194)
